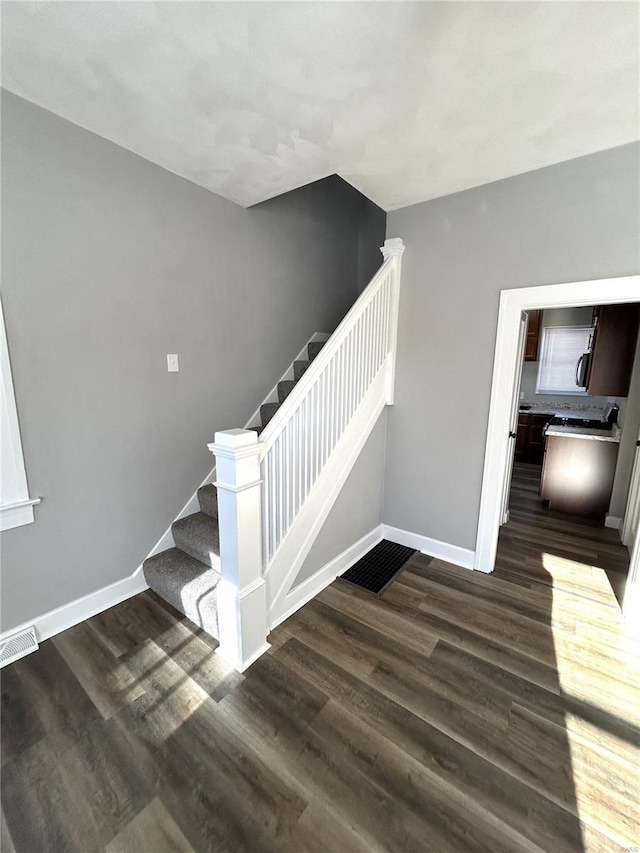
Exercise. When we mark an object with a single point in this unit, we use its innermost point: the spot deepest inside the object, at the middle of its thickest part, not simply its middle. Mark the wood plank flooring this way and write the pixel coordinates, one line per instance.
(457, 712)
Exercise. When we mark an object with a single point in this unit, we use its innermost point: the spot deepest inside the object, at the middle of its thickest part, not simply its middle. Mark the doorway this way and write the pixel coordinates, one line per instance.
(504, 401)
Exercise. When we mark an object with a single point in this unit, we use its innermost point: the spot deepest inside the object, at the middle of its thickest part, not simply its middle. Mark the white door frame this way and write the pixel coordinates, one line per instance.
(505, 372)
(632, 510)
(513, 421)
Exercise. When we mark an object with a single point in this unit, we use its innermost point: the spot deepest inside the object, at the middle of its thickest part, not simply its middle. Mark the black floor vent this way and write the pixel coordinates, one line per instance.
(375, 571)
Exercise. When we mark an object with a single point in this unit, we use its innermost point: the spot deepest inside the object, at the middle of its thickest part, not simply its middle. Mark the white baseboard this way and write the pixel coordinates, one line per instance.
(68, 615)
(312, 586)
(431, 547)
(613, 521)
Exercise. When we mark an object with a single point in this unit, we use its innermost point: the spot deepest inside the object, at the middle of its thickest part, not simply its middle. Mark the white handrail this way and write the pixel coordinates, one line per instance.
(298, 441)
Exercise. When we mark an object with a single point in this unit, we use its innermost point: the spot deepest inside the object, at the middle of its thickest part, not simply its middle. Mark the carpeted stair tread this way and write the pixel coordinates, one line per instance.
(197, 534)
(285, 387)
(267, 411)
(257, 429)
(299, 368)
(314, 348)
(187, 585)
(208, 500)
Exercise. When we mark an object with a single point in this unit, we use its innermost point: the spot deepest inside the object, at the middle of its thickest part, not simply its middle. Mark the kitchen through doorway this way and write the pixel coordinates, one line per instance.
(579, 396)
(571, 408)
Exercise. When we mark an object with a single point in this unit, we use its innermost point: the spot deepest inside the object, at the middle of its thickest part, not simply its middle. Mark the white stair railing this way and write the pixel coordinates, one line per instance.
(303, 433)
(308, 448)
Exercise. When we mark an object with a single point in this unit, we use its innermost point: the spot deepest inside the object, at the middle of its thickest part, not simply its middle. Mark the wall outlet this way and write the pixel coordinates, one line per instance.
(522, 395)
(172, 362)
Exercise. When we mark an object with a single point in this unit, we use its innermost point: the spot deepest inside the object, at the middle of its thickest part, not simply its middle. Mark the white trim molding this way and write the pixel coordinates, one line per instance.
(613, 521)
(16, 508)
(67, 615)
(17, 514)
(312, 586)
(605, 291)
(462, 557)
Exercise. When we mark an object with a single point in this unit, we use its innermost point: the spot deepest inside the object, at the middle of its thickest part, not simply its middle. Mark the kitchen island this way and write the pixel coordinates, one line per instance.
(578, 469)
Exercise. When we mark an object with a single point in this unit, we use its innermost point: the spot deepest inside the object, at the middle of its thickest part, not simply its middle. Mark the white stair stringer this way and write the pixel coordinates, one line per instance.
(299, 540)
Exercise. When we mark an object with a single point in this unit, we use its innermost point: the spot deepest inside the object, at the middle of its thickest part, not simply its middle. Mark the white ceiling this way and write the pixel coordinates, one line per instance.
(406, 101)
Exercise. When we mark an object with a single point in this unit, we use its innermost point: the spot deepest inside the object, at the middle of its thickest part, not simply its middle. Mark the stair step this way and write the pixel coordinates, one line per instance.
(208, 500)
(299, 368)
(284, 389)
(314, 348)
(267, 411)
(257, 429)
(197, 534)
(186, 585)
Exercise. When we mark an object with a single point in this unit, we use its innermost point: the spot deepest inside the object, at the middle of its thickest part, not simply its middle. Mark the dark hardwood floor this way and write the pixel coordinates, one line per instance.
(458, 712)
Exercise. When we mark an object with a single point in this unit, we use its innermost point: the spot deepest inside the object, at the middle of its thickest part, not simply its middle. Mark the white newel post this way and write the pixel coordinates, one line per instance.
(393, 248)
(242, 598)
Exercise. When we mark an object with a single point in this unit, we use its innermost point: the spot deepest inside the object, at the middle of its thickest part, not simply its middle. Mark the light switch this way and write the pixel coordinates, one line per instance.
(172, 362)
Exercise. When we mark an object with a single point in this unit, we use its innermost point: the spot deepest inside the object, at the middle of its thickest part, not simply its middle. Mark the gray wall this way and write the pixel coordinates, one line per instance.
(109, 262)
(575, 221)
(358, 508)
(373, 224)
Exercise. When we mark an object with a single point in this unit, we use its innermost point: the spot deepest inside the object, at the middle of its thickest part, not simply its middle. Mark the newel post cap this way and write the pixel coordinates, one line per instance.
(393, 246)
(235, 442)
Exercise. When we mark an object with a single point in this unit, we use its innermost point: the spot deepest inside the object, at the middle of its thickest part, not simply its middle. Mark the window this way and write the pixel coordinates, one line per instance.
(561, 348)
(16, 508)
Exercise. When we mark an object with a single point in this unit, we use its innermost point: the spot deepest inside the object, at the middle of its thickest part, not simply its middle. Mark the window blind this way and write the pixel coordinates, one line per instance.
(561, 348)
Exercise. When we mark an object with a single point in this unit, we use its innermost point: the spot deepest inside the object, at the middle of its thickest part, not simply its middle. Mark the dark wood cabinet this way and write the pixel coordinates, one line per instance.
(533, 336)
(577, 475)
(521, 438)
(612, 350)
(530, 437)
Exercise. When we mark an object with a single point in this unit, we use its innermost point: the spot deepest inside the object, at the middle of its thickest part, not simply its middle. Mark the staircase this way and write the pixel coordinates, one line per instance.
(235, 562)
(187, 576)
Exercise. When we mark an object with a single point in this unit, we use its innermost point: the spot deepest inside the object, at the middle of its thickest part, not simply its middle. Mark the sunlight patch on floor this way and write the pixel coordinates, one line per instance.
(565, 574)
(608, 801)
(170, 696)
(592, 645)
(584, 664)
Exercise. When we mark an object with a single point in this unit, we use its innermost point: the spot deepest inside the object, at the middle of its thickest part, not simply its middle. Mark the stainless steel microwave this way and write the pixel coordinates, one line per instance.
(582, 369)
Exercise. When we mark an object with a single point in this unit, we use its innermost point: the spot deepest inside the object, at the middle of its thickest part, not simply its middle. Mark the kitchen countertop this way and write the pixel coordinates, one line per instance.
(562, 411)
(573, 431)
(584, 432)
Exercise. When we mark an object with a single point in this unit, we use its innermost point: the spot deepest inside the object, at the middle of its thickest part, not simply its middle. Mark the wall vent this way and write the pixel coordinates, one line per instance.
(17, 646)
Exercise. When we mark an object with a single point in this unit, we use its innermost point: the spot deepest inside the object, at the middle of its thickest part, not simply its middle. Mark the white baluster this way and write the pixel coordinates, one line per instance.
(378, 327)
(385, 337)
(272, 503)
(278, 450)
(306, 438)
(324, 416)
(369, 350)
(336, 411)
